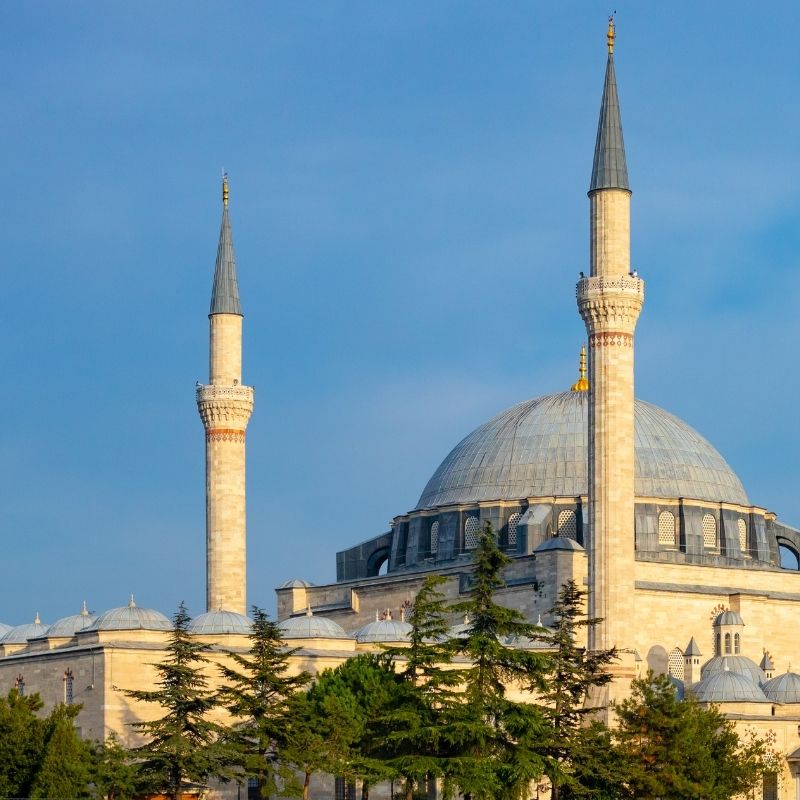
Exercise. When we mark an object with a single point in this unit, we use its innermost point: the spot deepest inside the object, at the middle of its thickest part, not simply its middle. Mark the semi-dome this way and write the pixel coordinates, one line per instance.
(21, 634)
(383, 630)
(783, 688)
(741, 665)
(729, 618)
(67, 627)
(310, 626)
(220, 622)
(728, 687)
(131, 618)
(539, 448)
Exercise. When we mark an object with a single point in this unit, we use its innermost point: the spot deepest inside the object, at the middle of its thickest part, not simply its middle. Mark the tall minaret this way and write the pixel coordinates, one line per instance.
(609, 301)
(225, 407)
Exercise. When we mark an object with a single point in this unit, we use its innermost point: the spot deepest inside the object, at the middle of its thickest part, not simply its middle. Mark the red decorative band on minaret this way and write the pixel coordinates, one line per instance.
(611, 339)
(225, 435)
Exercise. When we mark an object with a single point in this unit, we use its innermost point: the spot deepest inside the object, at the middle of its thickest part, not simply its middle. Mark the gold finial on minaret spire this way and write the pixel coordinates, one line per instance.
(583, 382)
(612, 32)
(225, 189)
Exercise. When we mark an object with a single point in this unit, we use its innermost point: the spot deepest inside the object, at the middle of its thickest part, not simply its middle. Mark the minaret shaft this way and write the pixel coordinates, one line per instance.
(610, 232)
(225, 407)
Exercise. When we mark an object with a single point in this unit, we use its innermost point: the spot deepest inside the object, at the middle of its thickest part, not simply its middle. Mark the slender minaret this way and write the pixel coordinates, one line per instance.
(609, 301)
(225, 407)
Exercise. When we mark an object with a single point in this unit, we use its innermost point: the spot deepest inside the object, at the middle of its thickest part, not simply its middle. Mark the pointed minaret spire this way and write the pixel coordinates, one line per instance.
(609, 170)
(225, 294)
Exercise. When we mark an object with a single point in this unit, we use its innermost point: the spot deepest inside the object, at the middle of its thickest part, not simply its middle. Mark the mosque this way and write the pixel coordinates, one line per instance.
(689, 576)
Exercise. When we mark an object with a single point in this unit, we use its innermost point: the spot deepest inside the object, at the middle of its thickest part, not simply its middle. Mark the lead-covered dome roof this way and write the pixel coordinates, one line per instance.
(310, 626)
(67, 627)
(539, 448)
(131, 618)
(22, 633)
(728, 687)
(220, 622)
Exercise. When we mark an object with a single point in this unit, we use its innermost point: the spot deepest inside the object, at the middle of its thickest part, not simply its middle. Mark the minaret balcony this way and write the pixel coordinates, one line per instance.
(225, 404)
(589, 287)
(608, 302)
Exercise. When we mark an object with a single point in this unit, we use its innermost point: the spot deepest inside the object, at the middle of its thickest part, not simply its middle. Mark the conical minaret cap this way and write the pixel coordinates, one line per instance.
(225, 293)
(610, 169)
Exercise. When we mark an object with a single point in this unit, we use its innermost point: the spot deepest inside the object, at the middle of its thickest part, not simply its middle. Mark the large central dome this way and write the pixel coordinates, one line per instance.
(539, 449)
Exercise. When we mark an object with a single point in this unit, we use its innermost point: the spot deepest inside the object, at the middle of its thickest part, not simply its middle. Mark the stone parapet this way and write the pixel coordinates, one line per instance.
(225, 406)
(610, 303)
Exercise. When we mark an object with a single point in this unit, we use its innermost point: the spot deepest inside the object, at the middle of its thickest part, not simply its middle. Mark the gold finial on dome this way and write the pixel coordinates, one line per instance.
(583, 382)
(612, 32)
(225, 189)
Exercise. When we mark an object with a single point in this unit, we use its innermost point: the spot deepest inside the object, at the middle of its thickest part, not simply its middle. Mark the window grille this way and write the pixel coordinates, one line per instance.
(727, 644)
(513, 521)
(737, 644)
(675, 663)
(471, 533)
(709, 532)
(568, 524)
(666, 529)
(742, 525)
(435, 537)
(69, 684)
(717, 645)
(19, 685)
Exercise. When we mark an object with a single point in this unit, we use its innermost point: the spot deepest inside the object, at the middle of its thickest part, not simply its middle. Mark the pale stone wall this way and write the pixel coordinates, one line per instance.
(610, 232)
(225, 351)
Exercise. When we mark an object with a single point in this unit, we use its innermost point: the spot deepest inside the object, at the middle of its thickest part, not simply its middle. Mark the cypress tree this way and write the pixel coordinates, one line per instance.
(257, 694)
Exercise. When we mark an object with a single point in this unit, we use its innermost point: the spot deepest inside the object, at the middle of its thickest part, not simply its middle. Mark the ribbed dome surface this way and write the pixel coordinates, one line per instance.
(131, 618)
(219, 622)
(741, 665)
(22, 633)
(558, 543)
(310, 626)
(729, 618)
(728, 687)
(539, 448)
(4, 629)
(383, 630)
(69, 626)
(783, 688)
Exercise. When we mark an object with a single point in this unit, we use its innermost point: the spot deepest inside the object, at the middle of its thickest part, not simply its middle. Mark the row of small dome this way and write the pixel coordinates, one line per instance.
(728, 686)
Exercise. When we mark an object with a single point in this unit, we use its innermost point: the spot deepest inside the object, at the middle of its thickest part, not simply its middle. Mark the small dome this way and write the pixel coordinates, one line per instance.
(22, 633)
(729, 618)
(296, 583)
(783, 688)
(309, 626)
(741, 665)
(527, 642)
(67, 627)
(383, 630)
(131, 618)
(217, 622)
(558, 543)
(728, 687)
(680, 687)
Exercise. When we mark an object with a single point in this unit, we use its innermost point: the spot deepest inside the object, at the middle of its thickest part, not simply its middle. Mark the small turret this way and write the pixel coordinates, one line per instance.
(691, 662)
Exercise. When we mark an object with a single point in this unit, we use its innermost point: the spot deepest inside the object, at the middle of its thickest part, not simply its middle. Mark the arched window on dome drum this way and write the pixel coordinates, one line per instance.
(511, 538)
(742, 528)
(435, 538)
(666, 529)
(675, 663)
(567, 524)
(727, 644)
(737, 644)
(717, 645)
(710, 532)
(472, 529)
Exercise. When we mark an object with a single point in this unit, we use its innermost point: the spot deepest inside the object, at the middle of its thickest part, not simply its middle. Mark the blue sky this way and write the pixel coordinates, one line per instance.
(408, 197)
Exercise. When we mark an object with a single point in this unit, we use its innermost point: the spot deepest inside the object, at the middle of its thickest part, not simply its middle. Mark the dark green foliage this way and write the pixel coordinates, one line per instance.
(113, 773)
(182, 746)
(678, 749)
(22, 739)
(575, 759)
(257, 694)
(65, 766)
(496, 740)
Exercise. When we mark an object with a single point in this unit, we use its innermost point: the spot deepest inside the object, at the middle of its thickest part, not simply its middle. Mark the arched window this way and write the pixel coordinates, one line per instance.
(513, 521)
(19, 685)
(666, 529)
(737, 644)
(567, 524)
(717, 645)
(675, 663)
(742, 528)
(471, 533)
(788, 556)
(710, 532)
(727, 644)
(68, 687)
(435, 537)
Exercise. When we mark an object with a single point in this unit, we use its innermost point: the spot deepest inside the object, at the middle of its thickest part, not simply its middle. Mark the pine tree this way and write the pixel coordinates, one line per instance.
(497, 741)
(257, 694)
(64, 769)
(573, 671)
(183, 745)
(676, 749)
